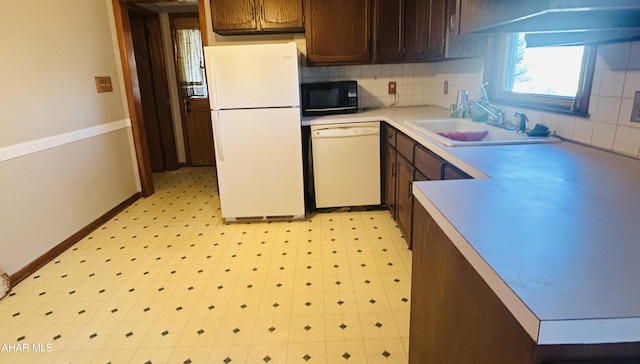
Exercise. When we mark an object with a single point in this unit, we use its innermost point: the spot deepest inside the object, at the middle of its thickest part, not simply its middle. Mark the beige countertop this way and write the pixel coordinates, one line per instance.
(552, 228)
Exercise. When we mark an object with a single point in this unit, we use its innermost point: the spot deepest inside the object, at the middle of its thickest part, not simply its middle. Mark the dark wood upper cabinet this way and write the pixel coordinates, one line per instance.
(338, 31)
(437, 28)
(230, 16)
(256, 16)
(416, 25)
(388, 31)
(281, 15)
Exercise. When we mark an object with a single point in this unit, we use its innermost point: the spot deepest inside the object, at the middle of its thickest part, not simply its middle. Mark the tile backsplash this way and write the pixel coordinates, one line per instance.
(417, 83)
(616, 79)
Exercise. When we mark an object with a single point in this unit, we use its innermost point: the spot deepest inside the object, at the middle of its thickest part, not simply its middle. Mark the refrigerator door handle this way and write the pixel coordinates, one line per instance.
(217, 138)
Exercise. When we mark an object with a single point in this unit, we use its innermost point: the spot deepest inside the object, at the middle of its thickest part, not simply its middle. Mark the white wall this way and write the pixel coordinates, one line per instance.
(66, 153)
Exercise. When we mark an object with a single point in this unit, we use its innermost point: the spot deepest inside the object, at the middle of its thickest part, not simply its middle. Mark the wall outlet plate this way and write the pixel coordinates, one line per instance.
(635, 111)
(393, 87)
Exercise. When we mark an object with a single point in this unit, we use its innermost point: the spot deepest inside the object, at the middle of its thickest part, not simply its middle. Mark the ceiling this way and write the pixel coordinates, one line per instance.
(180, 6)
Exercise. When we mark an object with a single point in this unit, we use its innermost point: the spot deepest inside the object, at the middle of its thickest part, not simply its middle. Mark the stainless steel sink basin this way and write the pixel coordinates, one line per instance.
(495, 136)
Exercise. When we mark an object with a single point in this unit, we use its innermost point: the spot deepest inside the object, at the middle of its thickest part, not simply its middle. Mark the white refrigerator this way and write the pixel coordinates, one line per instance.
(255, 111)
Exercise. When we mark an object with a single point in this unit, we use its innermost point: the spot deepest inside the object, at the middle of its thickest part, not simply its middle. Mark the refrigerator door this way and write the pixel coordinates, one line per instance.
(253, 76)
(259, 163)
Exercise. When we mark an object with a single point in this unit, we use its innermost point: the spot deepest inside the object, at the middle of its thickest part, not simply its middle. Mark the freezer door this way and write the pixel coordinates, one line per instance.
(259, 163)
(253, 76)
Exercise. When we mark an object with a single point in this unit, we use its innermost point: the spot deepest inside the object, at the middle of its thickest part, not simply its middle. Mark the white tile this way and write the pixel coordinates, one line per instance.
(626, 108)
(603, 135)
(612, 83)
(627, 141)
(607, 109)
(631, 83)
(634, 59)
(565, 126)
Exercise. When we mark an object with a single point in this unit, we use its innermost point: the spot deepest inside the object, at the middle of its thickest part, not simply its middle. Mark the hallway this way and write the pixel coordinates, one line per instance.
(167, 281)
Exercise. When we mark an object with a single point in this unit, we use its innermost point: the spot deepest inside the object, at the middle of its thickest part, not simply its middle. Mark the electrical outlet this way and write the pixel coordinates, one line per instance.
(446, 87)
(635, 111)
(392, 87)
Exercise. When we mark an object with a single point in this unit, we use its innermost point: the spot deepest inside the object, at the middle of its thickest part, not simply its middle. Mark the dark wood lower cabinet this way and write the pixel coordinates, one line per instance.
(456, 317)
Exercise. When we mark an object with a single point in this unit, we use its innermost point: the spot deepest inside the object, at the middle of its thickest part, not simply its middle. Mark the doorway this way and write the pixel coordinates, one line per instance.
(145, 136)
(192, 86)
(154, 93)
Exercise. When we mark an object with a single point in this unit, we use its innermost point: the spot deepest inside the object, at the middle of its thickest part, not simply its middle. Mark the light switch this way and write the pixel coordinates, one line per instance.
(103, 84)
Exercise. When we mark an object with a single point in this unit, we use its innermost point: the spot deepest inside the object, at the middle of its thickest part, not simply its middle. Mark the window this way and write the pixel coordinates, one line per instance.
(190, 62)
(548, 78)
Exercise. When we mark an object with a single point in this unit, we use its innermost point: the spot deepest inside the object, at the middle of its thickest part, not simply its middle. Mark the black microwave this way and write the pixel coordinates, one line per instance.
(326, 98)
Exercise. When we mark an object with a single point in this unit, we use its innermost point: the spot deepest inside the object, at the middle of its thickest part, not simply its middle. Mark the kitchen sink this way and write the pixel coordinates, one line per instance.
(467, 129)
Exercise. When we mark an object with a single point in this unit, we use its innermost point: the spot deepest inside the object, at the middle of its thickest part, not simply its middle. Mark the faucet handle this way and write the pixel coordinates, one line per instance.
(483, 90)
(523, 121)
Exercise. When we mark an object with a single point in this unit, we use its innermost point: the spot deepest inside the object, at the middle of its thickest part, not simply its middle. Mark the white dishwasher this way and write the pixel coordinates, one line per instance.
(346, 164)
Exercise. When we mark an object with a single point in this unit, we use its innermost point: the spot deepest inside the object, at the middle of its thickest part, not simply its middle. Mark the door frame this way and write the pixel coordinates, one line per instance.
(132, 88)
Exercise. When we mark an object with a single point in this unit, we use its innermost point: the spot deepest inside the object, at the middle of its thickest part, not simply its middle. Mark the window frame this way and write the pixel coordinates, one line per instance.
(496, 64)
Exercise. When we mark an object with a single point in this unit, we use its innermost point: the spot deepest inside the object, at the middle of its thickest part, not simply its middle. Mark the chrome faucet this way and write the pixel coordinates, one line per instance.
(495, 112)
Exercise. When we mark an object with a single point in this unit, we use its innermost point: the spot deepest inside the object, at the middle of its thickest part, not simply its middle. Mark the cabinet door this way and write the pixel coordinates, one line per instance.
(281, 15)
(338, 31)
(416, 30)
(390, 179)
(388, 32)
(230, 16)
(404, 198)
(436, 33)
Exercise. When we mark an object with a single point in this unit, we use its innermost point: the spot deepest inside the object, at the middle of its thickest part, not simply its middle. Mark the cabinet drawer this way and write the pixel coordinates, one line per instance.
(404, 145)
(428, 163)
(390, 135)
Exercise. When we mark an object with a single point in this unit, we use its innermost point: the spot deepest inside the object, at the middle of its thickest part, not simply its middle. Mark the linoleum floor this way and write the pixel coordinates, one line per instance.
(166, 281)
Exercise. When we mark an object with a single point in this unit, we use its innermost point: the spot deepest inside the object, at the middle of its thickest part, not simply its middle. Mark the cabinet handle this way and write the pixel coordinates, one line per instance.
(453, 23)
(262, 12)
(253, 11)
(393, 170)
(409, 189)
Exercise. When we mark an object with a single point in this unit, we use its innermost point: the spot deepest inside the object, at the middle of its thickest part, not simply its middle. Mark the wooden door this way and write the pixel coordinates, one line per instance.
(198, 132)
(154, 92)
(195, 111)
(338, 31)
(281, 15)
(233, 15)
(416, 30)
(388, 31)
